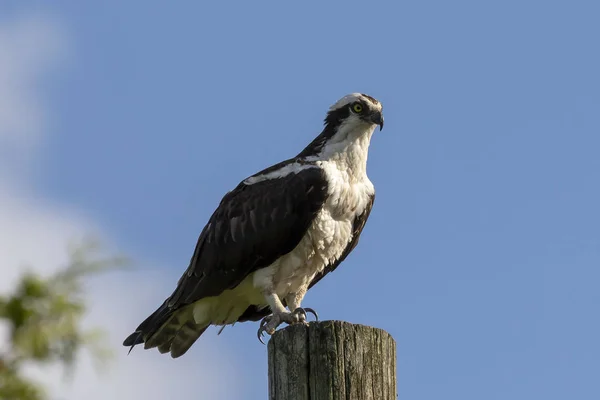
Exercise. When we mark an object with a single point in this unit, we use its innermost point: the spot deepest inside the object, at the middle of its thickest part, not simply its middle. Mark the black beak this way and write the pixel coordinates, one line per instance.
(377, 119)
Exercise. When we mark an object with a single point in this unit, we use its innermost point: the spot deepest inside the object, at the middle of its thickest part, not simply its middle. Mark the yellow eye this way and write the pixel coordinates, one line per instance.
(357, 107)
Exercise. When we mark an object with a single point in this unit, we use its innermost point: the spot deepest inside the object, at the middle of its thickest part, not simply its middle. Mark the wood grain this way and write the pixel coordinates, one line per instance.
(332, 360)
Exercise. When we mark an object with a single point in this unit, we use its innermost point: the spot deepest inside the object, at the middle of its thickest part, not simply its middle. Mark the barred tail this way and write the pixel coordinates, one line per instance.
(173, 331)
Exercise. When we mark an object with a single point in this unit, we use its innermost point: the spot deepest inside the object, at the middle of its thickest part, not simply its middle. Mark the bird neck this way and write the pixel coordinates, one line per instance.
(347, 148)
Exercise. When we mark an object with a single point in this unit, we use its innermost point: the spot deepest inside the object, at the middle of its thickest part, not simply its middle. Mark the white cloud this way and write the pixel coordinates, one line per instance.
(36, 233)
(29, 48)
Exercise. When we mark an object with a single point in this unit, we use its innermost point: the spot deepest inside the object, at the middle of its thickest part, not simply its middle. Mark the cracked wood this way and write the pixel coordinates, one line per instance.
(332, 360)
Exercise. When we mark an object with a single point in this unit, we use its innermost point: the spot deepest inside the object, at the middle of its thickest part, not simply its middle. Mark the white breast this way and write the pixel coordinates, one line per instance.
(349, 192)
(327, 237)
(332, 229)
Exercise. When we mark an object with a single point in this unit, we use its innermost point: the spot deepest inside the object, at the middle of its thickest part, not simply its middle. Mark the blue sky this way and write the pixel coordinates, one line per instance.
(482, 254)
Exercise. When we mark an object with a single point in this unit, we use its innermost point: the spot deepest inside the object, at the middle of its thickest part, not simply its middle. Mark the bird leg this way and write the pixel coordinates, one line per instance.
(294, 300)
(270, 323)
(280, 315)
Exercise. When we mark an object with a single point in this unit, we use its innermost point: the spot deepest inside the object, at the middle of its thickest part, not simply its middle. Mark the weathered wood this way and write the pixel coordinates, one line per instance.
(332, 360)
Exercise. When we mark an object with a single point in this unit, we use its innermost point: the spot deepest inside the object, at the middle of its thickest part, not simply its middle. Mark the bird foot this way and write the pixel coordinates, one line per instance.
(303, 313)
(270, 323)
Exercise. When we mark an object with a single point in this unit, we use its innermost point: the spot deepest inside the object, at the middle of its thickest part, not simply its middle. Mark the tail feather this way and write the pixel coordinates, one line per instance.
(165, 333)
(177, 335)
(149, 326)
(165, 347)
(134, 339)
(185, 338)
(168, 330)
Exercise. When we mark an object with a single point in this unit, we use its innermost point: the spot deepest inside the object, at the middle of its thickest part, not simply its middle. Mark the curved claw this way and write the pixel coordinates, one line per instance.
(261, 328)
(260, 334)
(305, 311)
(313, 312)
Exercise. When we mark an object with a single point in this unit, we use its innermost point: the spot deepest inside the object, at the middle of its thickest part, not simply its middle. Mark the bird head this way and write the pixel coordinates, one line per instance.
(355, 110)
(351, 118)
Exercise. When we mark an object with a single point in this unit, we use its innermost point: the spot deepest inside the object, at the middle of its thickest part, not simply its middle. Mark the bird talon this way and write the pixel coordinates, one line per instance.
(265, 328)
(264, 321)
(260, 335)
(313, 312)
(270, 323)
(297, 316)
(304, 313)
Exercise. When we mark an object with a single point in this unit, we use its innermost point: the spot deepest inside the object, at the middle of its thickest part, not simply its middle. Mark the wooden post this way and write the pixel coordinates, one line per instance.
(332, 360)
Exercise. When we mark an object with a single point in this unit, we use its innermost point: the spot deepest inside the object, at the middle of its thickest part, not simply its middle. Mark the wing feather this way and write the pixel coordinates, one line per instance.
(252, 227)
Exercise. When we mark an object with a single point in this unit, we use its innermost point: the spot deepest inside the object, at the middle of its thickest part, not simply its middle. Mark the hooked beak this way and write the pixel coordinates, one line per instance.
(377, 119)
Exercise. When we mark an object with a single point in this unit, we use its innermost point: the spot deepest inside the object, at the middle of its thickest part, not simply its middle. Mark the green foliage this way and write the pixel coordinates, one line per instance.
(44, 315)
(15, 387)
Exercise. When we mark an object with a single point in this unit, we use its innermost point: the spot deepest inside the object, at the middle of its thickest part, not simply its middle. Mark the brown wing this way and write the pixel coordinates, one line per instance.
(252, 227)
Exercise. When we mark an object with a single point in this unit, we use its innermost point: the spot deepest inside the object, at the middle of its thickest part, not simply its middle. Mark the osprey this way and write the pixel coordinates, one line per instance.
(274, 236)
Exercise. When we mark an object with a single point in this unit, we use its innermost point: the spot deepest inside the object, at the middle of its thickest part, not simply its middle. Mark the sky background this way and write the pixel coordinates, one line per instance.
(130, 120)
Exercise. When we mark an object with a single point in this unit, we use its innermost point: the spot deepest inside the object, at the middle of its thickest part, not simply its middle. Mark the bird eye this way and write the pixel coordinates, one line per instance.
(357, 107)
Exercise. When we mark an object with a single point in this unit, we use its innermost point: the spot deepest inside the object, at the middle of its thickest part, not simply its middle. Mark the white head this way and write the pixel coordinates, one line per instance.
(355, 109)
(353, 116)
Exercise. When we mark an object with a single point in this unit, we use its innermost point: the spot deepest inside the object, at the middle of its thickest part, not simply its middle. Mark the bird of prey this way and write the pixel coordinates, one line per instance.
(274, 236)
